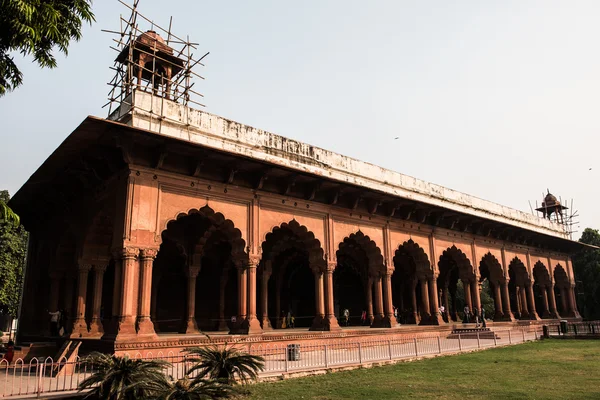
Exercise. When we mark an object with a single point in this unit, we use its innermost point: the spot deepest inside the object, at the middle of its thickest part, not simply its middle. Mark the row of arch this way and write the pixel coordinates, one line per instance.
(202, 278)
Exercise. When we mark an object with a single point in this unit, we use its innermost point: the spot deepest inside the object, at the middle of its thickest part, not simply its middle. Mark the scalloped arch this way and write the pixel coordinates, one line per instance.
(518, 268)
(293, 234)
(365, 244)
(560, 276)
(496, 272)
(419, 256)
(541, 275)
(465, 269)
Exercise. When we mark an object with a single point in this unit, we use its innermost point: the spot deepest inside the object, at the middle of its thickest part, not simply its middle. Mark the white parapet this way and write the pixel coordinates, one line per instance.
(144, 111)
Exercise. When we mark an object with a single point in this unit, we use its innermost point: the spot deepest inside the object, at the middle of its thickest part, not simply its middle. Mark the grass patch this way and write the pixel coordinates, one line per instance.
(549, 369)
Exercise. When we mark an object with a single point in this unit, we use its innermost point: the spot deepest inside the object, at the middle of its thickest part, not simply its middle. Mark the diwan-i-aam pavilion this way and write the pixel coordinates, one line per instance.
(163, 222)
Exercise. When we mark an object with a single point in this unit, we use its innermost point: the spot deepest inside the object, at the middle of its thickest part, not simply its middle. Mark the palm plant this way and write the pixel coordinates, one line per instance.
(195, 389)
(123, 378)
(225, 364)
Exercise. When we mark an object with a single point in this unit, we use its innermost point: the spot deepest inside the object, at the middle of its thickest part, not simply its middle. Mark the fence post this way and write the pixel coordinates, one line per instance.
(285, 357)
(478, 343)
(359, 353)
(509, 337)
(416, 348)
(459, 343)
(40, 375)
(439, 345)
(523, 333)
(495, 341)
(390, 348)
(326, 361)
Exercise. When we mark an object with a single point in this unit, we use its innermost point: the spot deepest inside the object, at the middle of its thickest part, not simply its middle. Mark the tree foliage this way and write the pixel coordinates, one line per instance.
(196, 389)
(36, 28)
(586, 265)
(13, 247)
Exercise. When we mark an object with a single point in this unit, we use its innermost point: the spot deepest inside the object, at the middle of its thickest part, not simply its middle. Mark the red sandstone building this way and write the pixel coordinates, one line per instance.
(162, 222)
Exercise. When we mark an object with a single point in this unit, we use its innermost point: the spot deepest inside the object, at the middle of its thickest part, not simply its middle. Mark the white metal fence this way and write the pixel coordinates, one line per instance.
(42, 376)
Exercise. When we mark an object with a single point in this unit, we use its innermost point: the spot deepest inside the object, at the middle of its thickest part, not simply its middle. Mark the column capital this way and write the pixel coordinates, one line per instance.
(100, 268)
(330, 267)
(126, 252)
(148, 254)
(84, 267)
(253, 260)
(192, 272)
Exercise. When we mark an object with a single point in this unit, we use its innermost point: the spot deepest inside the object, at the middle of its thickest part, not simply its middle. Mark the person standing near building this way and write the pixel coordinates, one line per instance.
(363, 317)
(483, 324)
(467, 311)
(346, 316)
(54, 319)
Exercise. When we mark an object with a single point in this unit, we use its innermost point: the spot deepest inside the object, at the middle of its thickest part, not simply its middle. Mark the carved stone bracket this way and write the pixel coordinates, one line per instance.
(148, 254)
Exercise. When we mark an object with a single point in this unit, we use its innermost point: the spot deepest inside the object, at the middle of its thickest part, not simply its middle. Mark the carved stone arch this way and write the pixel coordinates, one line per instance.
(455, 257)
(518, 272)
(561, 278)
(417, 255)
(357, 243)
(298, 234)
(490, 268)
(541, 274)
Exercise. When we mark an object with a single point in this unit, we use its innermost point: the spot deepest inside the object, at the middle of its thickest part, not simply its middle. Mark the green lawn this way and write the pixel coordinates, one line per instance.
(550, 369)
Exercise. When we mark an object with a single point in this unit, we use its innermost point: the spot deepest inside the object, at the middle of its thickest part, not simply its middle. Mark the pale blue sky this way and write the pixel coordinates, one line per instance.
(499, 100)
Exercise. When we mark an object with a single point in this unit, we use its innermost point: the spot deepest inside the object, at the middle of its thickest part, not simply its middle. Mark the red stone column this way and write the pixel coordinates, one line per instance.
(413, 288)
(317, 324)
(563, 301)
(389, 320)
(476, 295)
(425, 316)
(546, 310)
(145, 325)
(55, 278)
(96, 327)
(242, 294)
(252, 325)
(467, 290)
(331, 322)
(436, 318)
(446, 301)
(191, 326)
(80, 328)
(116, 303)
(378, 318)
(573, 302)
(531, 303)
(551, 297)
(498, 302)
(129, 282)
(370, 315)
(524, 308)
(266, 322)
(508, 315)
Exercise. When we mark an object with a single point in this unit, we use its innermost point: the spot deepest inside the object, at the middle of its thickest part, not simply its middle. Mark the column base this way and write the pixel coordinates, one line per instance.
(145, 326)
(222, 327)
(96, 328)
(425, 319)
(437, 320)
(80, 329)
(191, 326)
(377, 321)
(498, 316)
(330, 323)
(318, 324)
(534, 317)
(266, 324)
(251, 326)
(508, 316)
(388, 322)
(555, 315)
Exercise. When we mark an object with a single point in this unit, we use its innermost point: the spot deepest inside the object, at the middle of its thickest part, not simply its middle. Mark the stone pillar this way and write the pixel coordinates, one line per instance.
(116, 302)
(425, 316)
(370, 315)
(518, 299)
(145, 325)
(378, 301)
(242, 294)
(575, 310)
(467, 290)
(331, 323)
(55, 278)
(524, 308)
(498, 302)
(446, 302)
(413, 287)
(223, 280)
(129, 282)
(80, 328)
(476, 296)
(436, 318)
(531, 303)
(68, 300)
(252, 325)
(154, 301)
(546, 310)
(96, 327)
(266, 322)
(508, 315)
(564, 301)
(191, 326)
(388, 320)
(551, 297)
(318, 322)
